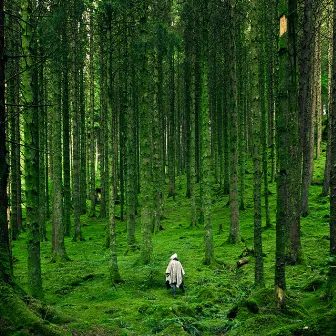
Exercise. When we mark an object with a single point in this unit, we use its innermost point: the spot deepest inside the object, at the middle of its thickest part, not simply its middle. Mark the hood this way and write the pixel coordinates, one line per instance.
(174, 256)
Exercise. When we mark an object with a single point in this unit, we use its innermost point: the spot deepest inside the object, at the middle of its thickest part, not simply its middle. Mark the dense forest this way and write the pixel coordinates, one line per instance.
(131, 130)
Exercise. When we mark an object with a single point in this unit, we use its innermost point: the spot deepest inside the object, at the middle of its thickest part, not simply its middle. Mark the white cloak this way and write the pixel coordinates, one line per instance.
(174, 272)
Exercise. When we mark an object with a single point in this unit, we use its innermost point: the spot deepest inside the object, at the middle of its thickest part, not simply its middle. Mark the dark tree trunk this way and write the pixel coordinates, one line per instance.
(331, 286)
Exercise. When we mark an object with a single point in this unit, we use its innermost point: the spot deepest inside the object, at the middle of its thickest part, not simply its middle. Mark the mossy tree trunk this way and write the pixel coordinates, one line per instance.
(205, 150)
(30, 86)
(13, 99)
(102, 146)
(131, 190)
(264, 113)
(189, 128)
(282, 218)
(58, 247)
(234, 234)
(241, 73)
(256, 106)
(146, 248)
(76, 176)
(158, 110)
(271, 36)
(92, 120)
(42, 148)
(5, 253)
(171, 120)
(67, 204)
(15, 312)
(82, 124)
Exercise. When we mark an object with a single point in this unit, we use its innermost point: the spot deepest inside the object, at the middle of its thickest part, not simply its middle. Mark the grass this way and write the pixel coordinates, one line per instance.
(220, 299)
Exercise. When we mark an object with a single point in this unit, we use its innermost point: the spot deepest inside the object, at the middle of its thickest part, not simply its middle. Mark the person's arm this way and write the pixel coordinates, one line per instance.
(182, 270)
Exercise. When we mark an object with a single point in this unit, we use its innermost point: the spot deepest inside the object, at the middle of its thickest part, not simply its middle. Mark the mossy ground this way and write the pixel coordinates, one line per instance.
(141, 305)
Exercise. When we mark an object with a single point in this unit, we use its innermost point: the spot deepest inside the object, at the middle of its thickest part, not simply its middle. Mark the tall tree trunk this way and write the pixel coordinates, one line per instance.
(13, 98)
(256, 105)
(171, 122)
(326, 180)
(157, 112)
(76, 172)
(5, 253)
(283, 180)
(305, 112)
(43, 150)
(30, 85)
(294, 250)
(58, 247)
(205, 150)
(331, 285)
(131, 167)
(92, 121)
(146, 248)
(318, 86)
(102, 130)
(82, 131)
(264, 119)
(66, 124)
(234, 234)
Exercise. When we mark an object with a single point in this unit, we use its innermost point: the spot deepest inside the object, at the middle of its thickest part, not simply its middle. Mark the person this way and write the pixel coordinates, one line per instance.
(174, 274)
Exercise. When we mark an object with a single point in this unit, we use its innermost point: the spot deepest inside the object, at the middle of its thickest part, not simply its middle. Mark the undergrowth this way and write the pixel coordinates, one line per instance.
(219, 299)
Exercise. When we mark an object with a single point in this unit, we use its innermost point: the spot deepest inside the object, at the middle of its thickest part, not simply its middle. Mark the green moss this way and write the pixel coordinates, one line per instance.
(80, 288)
(252, 306)
(175, 329)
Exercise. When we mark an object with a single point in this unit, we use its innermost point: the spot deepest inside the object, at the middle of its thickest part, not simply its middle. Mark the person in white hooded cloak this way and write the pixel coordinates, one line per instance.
(174, 274)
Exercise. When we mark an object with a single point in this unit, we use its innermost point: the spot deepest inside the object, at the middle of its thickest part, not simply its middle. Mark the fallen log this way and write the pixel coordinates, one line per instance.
(242, 262)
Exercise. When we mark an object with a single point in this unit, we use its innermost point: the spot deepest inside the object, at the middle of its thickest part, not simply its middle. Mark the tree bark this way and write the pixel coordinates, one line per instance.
(234, 234)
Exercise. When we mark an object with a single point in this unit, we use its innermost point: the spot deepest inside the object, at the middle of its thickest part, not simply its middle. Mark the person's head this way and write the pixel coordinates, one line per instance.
(174, 256)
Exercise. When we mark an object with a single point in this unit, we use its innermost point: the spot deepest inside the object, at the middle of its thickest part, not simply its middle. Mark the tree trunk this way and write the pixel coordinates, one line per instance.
(13, 97)
(305, 112)
(76, 175)
(326, 180)
(58, 247)
(43, 154)
(234, 234)
(92, 122)
(66, 125)
(171, 122)
(146, 248)
(318, 86)
(256, 106)
(30, 85)
(331, 285)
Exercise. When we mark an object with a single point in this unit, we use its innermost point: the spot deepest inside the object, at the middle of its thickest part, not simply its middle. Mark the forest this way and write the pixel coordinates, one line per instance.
(131, 130)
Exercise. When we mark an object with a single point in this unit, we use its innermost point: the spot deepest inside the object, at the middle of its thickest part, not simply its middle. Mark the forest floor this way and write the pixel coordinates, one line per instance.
(219, 299)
